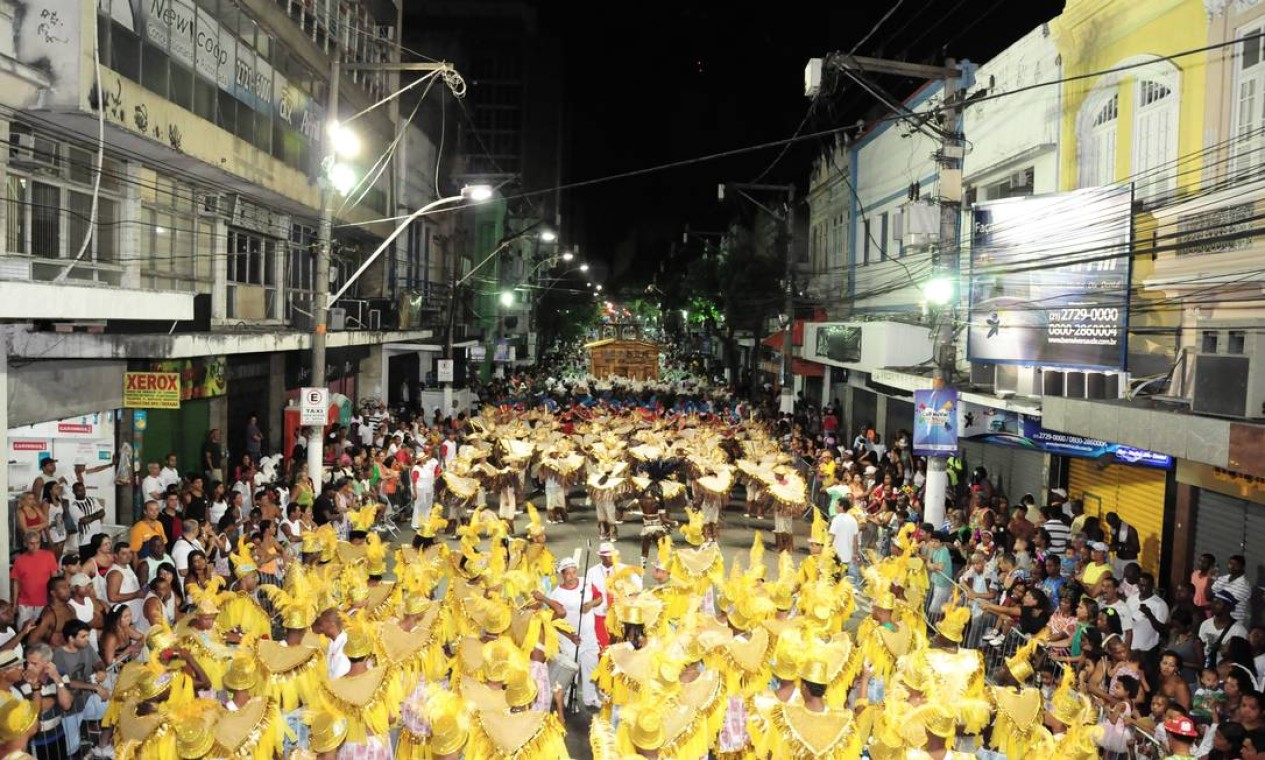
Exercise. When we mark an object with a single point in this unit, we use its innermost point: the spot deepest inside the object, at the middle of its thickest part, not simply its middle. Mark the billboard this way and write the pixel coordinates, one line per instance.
(936, 422)
(151, 390)
(1006, 428)
(1049, 281)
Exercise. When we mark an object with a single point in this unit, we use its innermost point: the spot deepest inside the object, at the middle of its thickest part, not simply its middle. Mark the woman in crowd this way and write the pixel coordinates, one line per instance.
(55, 512)
(120, 640)
(31, 516)
(1188, 646)
(218, 503)
(1171, 684)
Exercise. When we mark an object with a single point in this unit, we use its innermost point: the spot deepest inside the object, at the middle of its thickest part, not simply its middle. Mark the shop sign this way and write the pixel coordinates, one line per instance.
(151, 390)
(1006, 428)
(1221, 480)
(29, 445)
(1025, 309)
(936, 422)
(201, 377)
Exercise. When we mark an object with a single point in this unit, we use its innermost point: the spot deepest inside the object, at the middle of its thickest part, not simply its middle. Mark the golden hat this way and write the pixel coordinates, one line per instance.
(359, 639)
(915, 673)
(435, 522)
(311, 542)
(449, 723)
(814, 668)
(896, 641)
(243, 670)
(520, 688)
(493, 616)
(953, 624)
(295, 603)
(328, 729)
(500, 656)
(1020, 664)
(788, 655)
(243, 561)
(414, 603)
(1068, 706)
(152, 683)
(205, 598)
(160, 636)
(883, 598)
(928, 717)
(17, 718)
(645, 728)
(631, 614)
(376, 554)
(192, 727)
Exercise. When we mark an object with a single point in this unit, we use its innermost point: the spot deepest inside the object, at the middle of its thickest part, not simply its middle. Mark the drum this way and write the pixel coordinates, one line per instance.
(562, 672)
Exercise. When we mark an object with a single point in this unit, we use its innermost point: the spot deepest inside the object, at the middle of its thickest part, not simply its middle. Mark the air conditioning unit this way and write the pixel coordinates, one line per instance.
(917, 225)
(337, 318)
(1084, 384)
(1229, 385)
(32, 153)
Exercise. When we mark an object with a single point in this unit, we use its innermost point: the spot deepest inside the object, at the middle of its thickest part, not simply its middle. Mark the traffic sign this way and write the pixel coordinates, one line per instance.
(314, 409)
(443, 368)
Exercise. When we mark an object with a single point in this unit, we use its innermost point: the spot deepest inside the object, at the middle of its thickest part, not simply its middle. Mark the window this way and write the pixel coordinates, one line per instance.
(882, 237)
(1097, 157)
(1249, 120)
(48, 204)
(865, 242)
(1155, 138)
(252, 280)
(300, 274)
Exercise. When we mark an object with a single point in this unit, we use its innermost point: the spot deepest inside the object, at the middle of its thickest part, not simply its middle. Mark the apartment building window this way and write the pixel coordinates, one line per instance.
(48, 204)
(1249, 106)
(865, 241)
(177, 239)
(300, 274)
(252, 276)
(1155, 122)
(882, 237)
(1097, 143)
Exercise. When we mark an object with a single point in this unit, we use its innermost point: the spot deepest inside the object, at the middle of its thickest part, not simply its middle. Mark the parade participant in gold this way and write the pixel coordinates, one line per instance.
(369, 695)
(18, 723)
(240, 612)
(808, 728)
(1018, 723)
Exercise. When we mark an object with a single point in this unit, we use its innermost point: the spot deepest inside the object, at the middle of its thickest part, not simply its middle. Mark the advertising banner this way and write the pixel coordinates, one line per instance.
(1049, 280)
(1007, 428)
(151, 390)
(936, 422)
(202, 377)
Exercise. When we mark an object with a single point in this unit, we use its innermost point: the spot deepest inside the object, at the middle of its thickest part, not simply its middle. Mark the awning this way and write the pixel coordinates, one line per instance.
(774, 341)
(805, 368)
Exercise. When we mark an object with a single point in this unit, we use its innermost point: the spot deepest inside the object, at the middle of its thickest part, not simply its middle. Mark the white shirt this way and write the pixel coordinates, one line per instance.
(449, 448)
(129, 585)
(571, 599)
(216, 511)
(6, 635)
(1145, 637)
(152, 487)
(1209, 633)
(337, 664)
(1240, 589)
(844, 528)
(79, 510)
(169, 476)
(1124, 613)
(181, 550)
(424, 474)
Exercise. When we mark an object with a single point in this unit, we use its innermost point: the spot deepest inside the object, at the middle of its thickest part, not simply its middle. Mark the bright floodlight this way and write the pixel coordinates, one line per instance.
(344, 139)
(507, 298)
(588, 284)
(548, 236)
(938, 291)
(599, 288)
(584, 267)
(567, 255)
(477, 193)
(342, 178)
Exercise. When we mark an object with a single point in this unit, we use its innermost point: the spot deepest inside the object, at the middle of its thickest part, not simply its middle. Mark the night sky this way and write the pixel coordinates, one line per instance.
(655, 81)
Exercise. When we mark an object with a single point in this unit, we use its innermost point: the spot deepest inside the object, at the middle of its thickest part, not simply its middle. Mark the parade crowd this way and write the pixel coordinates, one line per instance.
(409, 605)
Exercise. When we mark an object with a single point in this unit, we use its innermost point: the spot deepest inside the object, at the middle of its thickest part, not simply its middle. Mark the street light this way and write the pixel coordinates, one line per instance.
(938, 291)
(344, 140)
(584, 267)
(548, 236)
(566, 255)
(599, 288)
(342, 178)
(476, 193)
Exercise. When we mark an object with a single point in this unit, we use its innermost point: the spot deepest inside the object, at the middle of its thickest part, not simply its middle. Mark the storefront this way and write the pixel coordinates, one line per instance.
(83, 444)
(1137, 494)
(1228, 513)
(157, 432)
(249, 392)
(1012, 471)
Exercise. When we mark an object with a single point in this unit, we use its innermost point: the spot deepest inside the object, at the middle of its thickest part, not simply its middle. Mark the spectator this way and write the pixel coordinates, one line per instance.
(170, 518)
(152, 488)
(29, 577)
(120, 641)
(44, 686)
(1236, 585)
(11, 638)
(147, 527)
(213, 456)
(254, 438)
(54, 509)
(1184, 640)
(160, 602)
(153, 557)
(78, 661)
(1124, 542)
(184, 546)
(87, 516)
(1057, 529)
(31, 515)
(1149, 617)
(55, 616)
(88, 608)
(1219, 628)
(169, 476)
(1201, 578)
(1092, 577)
(121, 584)
(196, 506)
(1110, 598)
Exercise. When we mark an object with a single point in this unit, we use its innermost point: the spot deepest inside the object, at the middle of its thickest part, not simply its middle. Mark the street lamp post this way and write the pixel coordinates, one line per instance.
(340, 134)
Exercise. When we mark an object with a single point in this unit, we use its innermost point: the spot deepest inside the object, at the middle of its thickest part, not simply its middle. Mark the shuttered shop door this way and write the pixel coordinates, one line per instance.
(1134, 493)
(1016, 471)
(1225, 526)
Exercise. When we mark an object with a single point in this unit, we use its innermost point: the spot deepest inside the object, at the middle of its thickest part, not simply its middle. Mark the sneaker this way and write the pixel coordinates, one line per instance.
(106, 751)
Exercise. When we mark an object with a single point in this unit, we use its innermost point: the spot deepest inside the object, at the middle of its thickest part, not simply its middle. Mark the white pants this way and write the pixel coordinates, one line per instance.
(423, 500)
(555, 495)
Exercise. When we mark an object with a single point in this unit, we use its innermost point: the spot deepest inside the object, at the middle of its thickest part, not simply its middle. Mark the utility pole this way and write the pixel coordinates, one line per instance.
(320, 298)
(945, 256)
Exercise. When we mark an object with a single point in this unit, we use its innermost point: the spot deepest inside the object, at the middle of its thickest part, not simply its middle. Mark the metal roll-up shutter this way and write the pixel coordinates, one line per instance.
(1135, 493)
(1221, 526)
(1012, 471)
(864, 410)
(900, 416)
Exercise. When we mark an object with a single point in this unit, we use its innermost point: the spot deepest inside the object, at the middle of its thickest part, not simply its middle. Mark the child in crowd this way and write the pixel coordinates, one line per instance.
(1114, 723)
(1209, 697)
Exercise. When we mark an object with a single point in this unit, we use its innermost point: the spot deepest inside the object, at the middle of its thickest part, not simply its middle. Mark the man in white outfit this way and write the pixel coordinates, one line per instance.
(576, 603)
(424, 474)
